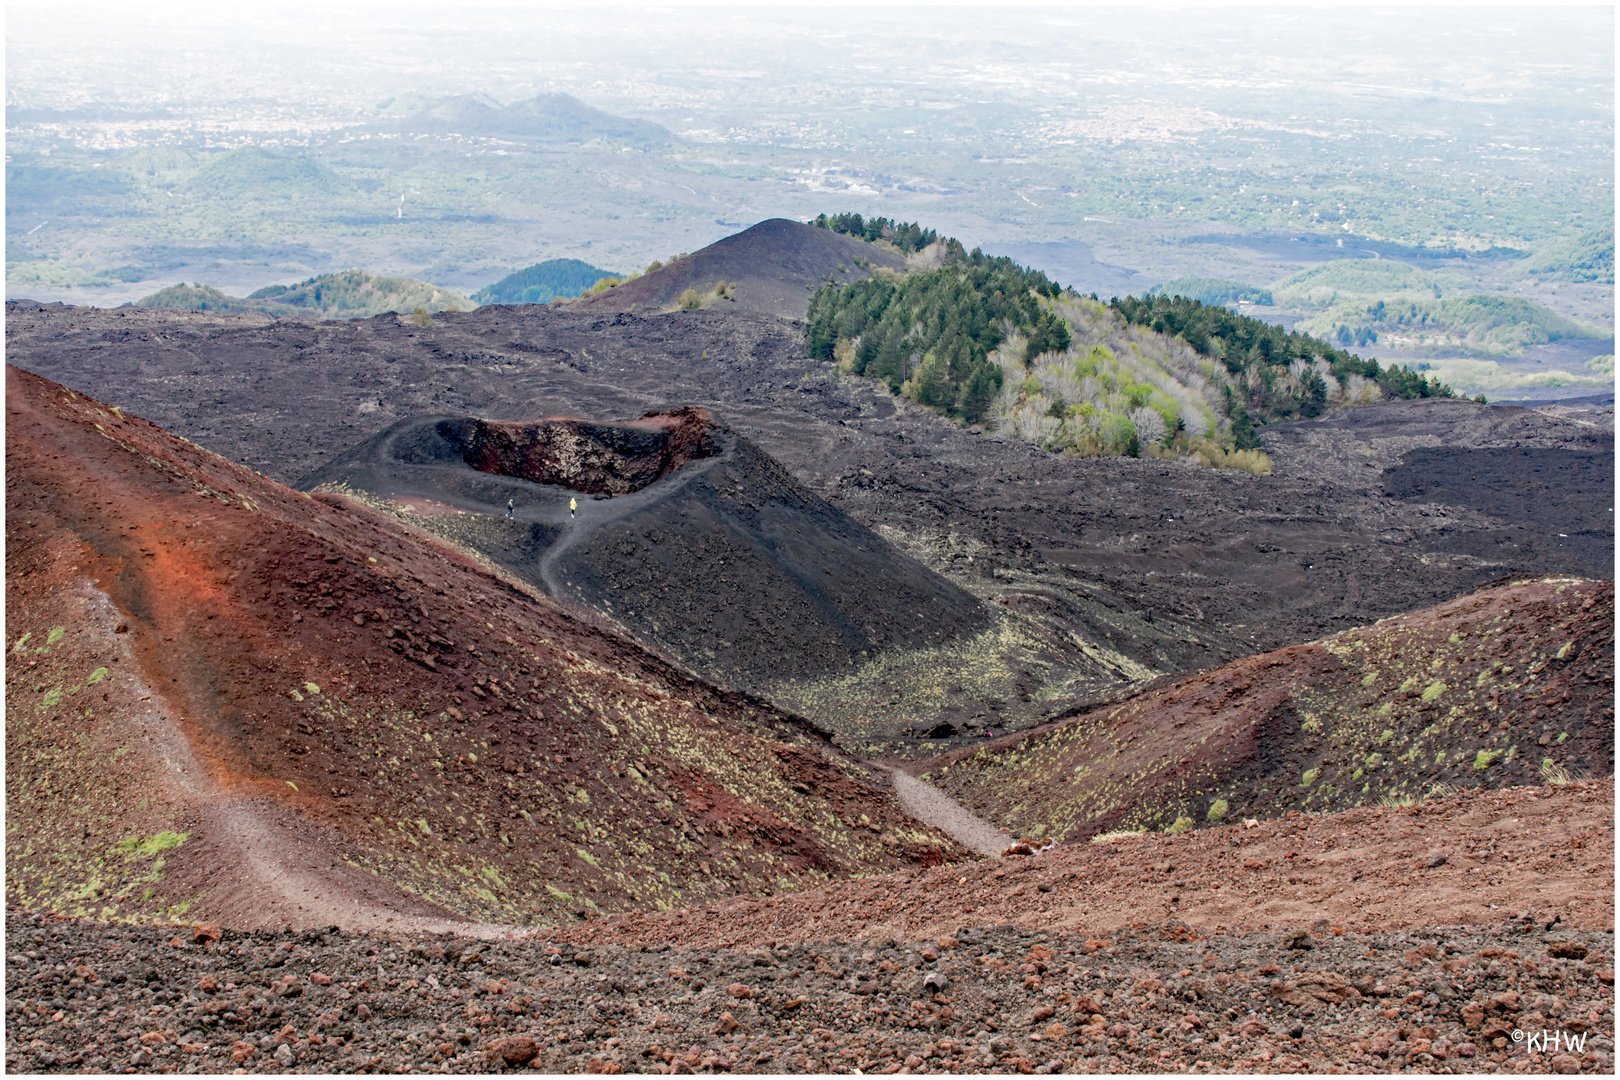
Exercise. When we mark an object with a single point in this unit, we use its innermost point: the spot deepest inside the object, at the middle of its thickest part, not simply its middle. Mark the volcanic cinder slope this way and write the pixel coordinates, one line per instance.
(685, 534)
(1320, 942)
(1502, 687)
(229, 700)
(775, 266)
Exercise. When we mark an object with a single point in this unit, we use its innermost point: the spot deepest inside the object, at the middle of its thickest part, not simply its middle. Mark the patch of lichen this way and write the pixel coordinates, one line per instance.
(86, 834)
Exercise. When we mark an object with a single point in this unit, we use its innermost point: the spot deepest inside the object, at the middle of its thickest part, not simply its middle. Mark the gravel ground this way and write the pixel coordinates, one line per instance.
(85, 997)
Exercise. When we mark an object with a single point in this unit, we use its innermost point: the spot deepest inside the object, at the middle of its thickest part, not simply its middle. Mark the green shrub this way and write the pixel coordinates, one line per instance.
(1217, 810)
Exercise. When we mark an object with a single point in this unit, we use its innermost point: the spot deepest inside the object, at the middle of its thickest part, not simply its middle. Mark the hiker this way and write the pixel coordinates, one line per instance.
(572, 506)
(509, 509)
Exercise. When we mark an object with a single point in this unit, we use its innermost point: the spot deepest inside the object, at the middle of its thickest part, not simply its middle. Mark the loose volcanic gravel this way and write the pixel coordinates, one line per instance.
(84, 997)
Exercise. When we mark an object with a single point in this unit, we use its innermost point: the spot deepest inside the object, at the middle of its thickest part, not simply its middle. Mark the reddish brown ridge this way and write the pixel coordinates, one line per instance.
(349, 723)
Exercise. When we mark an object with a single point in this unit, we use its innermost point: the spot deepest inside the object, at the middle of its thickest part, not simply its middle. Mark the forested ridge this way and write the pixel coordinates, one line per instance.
(984, 339)
(931, 333)
(907, 237)
(543, 282)
(1262, 354)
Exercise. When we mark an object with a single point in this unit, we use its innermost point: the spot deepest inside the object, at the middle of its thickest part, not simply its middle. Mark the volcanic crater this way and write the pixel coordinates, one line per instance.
(594, 458)
(692, 538)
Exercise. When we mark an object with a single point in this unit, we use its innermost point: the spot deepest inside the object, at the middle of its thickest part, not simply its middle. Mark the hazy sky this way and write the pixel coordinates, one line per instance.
(304, 51)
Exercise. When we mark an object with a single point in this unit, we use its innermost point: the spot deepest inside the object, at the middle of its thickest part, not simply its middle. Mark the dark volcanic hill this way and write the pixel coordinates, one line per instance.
(1507, 686)
(686, 534)
(776, 267)
(229, 700)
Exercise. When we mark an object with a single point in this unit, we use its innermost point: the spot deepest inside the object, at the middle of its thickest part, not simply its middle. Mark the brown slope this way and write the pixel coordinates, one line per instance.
(1496, 688)
(776, 267)
(1548, 850)
(348, 722)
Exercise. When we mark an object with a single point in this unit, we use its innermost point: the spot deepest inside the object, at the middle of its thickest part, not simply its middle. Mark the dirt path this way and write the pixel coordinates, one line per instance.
(933, 807)
(275, 877)
(595, 513)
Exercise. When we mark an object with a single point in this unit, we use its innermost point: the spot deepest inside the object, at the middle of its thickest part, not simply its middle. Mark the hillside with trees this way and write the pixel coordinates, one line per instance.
(1275, 374)
(1120, 389)
(1588, 256)
(543, 282)
(352, 294)
(1213, 291)
(986, 340)
(906, 237)
(1386, 302)
(1467, 325)
(930, 334)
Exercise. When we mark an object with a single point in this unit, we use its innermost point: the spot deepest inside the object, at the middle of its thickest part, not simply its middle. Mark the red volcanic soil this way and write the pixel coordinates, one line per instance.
(595, 458)
(230, 700)
(1500, 687)
(1549, 850)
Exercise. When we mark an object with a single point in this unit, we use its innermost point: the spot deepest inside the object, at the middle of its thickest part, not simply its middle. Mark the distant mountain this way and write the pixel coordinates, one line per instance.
(196, 297)
(357, 294)
(253, 172)
(352, 294)
(774, 268)
(543, 282)
(1347, 279)
(549, 118)
(156, 162)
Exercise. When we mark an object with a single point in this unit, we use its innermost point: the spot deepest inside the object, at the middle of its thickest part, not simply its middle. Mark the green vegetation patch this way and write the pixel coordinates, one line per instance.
(250, 172)
(907, 237)
(1475, 325)
(1284, 374)
(543, 282)
(151, 845)
(1587, 256)
(930, 334)
(352, 294)
(1212, 291)
(195, 297)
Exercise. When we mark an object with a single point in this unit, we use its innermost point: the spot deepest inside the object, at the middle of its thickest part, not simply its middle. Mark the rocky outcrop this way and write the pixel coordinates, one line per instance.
(586, 456)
